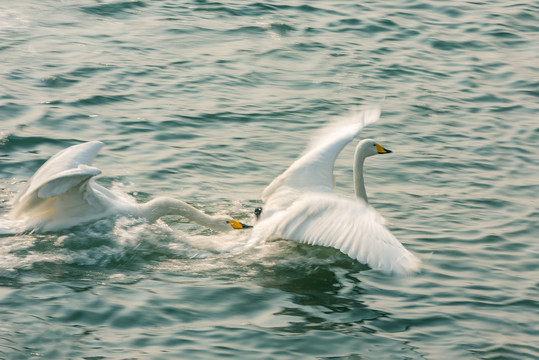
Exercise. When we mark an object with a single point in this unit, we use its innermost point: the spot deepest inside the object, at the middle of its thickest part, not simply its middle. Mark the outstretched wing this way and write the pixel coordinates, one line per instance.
(349, 225)
(65, 170)
(314, 170)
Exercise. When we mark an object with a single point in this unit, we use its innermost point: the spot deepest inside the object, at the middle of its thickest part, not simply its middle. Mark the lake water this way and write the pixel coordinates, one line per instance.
(208, 101)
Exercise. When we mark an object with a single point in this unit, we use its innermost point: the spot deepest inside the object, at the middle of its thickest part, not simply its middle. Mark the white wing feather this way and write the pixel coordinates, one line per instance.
(66, 180)
(314, 170)
(349, 225)
(61, 173)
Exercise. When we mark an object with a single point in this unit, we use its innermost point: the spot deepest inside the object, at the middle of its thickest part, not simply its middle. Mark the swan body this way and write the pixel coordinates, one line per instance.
(301, 204)
(63, 193)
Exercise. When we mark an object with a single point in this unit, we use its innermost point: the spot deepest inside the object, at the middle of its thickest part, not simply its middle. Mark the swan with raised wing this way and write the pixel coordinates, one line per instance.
(301, 204)
(63, 193)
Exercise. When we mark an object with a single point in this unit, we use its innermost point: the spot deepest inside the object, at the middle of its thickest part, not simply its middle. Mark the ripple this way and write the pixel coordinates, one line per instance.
(449, 45)
(114, 9)
(59, 82)
(100, 100)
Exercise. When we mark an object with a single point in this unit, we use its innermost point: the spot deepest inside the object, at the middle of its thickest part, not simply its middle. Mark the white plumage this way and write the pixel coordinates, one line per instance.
(63, 193)
(301, 204)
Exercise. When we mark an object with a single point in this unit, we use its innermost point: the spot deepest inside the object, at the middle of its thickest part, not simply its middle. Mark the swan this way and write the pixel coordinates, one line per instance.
(63, 193)
(301, 204)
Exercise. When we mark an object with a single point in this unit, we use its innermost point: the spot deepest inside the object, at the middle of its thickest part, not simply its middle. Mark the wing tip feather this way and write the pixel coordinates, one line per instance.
(406, 265)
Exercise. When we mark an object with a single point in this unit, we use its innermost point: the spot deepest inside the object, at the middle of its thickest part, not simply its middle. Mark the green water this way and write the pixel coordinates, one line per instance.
(209, 101)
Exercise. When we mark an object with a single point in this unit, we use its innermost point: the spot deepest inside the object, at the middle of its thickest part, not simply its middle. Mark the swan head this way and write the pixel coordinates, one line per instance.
(223, 223)
(369, 147)
(237, 225)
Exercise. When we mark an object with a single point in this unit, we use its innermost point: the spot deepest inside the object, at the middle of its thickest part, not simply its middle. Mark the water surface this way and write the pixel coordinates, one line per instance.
(208, 101)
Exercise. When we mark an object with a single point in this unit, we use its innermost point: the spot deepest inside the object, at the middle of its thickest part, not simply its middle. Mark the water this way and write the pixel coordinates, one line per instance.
(208, 101)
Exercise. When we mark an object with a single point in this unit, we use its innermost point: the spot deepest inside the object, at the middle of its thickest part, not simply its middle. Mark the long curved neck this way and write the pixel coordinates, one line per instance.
(359, 184)
(162, 206)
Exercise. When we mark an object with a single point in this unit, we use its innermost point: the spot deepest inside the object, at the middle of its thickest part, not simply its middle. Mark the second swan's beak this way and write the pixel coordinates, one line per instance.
(381, 149)
(237, 225)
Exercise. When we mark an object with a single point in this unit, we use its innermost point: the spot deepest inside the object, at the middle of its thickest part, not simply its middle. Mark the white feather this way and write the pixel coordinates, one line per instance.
(57, 176)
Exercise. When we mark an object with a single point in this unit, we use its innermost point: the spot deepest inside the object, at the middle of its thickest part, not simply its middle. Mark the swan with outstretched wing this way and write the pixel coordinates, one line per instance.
(301, 204)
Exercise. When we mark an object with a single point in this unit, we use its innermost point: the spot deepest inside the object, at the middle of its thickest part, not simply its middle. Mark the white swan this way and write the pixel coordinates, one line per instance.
(302, 205)
(62, 193)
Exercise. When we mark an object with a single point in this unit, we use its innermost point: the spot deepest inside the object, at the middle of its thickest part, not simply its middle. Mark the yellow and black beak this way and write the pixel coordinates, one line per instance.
(381, 149)
(237, 225)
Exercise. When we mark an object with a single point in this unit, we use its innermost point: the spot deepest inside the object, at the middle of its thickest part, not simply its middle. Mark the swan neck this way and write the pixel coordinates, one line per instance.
(159, 207)
(359, 184)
